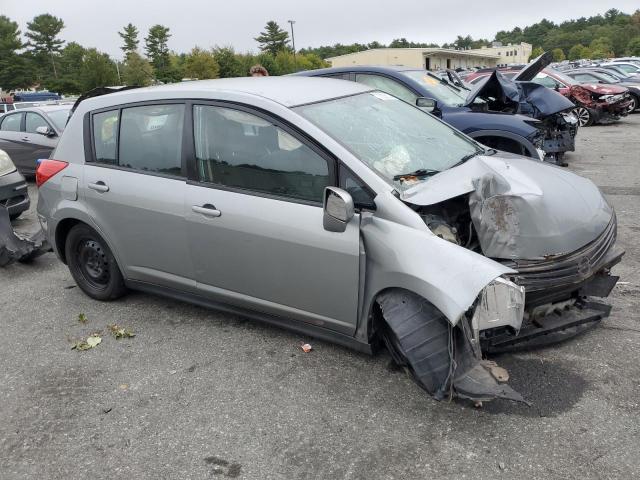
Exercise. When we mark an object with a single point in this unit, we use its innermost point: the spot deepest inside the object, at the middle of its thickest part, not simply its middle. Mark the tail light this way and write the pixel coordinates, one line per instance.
(47, 169)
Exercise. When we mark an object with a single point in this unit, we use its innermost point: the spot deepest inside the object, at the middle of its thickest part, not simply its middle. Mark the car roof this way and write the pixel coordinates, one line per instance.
(44, 108)
(361, 68)
(288, 91)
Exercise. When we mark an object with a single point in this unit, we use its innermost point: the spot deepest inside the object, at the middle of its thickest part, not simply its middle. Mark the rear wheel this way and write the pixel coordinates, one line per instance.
(585, 118)
(92, 264)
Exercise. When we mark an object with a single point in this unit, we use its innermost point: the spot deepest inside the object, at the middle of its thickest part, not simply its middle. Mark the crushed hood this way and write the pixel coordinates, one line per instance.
(527, 98)
(603, 89)
(521, 208)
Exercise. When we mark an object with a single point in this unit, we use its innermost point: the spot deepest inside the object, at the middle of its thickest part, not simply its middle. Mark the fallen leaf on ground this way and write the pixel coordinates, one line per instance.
(82, 318)
(91, 342)
(121, 332)
(306, 348)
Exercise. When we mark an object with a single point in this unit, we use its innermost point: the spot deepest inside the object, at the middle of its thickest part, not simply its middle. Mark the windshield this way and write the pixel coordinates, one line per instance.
(59, 118)
(608, 77)
(391, 136)
(440, 89)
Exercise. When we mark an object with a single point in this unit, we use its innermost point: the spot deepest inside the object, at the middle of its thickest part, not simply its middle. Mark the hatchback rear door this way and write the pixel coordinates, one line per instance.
(255, 221)
(134, 186)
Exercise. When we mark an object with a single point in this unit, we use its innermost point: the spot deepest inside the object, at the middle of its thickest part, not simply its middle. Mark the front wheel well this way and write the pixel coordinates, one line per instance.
(62, 231)
(504, 144)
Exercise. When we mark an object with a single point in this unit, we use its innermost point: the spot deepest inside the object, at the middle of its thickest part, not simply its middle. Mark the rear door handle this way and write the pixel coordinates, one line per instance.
(99, 187)
(207, 209)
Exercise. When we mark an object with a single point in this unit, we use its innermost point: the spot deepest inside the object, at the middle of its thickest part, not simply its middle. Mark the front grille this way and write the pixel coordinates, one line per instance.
(560, 271)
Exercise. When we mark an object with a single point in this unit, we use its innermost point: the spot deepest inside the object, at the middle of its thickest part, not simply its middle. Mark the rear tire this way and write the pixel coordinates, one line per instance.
(92, 265)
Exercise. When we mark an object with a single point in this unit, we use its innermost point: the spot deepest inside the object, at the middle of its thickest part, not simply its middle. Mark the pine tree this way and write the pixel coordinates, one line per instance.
(273, 39)
(129, 36)
(43, 42)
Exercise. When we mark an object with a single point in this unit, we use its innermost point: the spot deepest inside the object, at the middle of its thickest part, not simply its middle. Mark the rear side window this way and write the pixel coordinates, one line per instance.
(105, 136)
(241, 150)
(33, 122)
(11, 123)
(146, 138)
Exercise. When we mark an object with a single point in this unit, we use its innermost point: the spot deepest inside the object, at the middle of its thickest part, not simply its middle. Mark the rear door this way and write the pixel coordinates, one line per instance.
(134, 186)
(255, 221)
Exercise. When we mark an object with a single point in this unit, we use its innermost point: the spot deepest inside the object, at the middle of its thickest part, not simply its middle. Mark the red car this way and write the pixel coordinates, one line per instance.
(595, 103)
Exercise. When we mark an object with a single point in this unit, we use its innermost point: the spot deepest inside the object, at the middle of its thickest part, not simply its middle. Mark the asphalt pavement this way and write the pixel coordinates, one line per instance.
(198, 394)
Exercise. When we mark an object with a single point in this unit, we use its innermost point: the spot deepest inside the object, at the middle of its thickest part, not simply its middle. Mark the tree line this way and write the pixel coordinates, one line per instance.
(47, 61)
(612, 34)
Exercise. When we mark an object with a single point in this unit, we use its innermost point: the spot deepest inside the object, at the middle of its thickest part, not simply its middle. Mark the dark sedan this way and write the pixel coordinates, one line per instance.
(31, 133)
(508, 132)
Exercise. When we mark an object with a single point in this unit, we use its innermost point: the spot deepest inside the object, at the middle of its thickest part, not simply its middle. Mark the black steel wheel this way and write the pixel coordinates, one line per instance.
(92, 264)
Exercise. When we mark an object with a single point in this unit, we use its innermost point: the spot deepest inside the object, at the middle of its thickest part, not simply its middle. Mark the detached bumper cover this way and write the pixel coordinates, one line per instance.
(14, 248)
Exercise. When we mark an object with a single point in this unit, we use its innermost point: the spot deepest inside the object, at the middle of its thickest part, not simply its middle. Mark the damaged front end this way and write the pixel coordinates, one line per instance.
(606, 105)
(18, 248)
(557, 124)
(553, 228)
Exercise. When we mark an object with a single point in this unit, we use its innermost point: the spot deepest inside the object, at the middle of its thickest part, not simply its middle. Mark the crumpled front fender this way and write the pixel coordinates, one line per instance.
(411, 257)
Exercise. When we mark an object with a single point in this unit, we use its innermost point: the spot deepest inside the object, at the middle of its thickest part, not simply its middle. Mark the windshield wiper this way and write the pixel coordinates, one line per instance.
(468, 157)
(422, 172)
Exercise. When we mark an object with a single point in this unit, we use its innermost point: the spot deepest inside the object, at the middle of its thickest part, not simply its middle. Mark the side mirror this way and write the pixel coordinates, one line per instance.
(556, 87)
(338, 209)
(429, 104)
(46, 131)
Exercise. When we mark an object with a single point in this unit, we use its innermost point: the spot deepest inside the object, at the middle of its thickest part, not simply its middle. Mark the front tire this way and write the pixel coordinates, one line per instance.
(585, 119)
(634, 104)
(92, 264)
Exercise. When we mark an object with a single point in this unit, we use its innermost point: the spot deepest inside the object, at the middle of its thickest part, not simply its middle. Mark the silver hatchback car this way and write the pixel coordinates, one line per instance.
(335, 210)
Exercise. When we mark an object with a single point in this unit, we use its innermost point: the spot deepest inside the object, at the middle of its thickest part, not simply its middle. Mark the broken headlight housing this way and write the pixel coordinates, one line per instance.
(500, 304)
(6, 165)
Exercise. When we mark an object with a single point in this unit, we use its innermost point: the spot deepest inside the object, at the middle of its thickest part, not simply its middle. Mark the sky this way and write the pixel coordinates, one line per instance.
(207, 23)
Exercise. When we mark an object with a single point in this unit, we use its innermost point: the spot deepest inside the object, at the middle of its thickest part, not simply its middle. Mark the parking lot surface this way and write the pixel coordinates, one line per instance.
(199, 394)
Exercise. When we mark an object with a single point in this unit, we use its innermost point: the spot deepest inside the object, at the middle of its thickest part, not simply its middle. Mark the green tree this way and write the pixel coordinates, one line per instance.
(558, 55)
(157, 49)
(44, 43)
(601, 48)
(633, 48)
(129, 36)
(229, 62)
(536, 52)
(71, 62)
(201, 64)
(273, 39)
(578, 52)
(137, 70)
(15, 70)
(98, 70)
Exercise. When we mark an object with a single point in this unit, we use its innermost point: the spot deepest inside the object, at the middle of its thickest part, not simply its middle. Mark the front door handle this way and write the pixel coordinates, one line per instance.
(99, 187)
(207, 209)
(26, 139)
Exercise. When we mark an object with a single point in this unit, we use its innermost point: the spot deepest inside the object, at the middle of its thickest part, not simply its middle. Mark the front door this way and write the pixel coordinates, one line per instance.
(135, 191)
(255, 222)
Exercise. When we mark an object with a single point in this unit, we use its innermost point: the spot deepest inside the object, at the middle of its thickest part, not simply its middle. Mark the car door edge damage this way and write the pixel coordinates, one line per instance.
(490, 252)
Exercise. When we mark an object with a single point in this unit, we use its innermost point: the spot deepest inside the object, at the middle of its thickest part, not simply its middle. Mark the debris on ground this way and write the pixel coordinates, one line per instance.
(306, 348)
(19, 248)
(91, 342)
(82, 318)
(121, 332)
(496, 371)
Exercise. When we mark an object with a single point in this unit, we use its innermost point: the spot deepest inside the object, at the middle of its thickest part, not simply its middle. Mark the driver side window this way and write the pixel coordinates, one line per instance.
(387, 85)
(241, 150)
